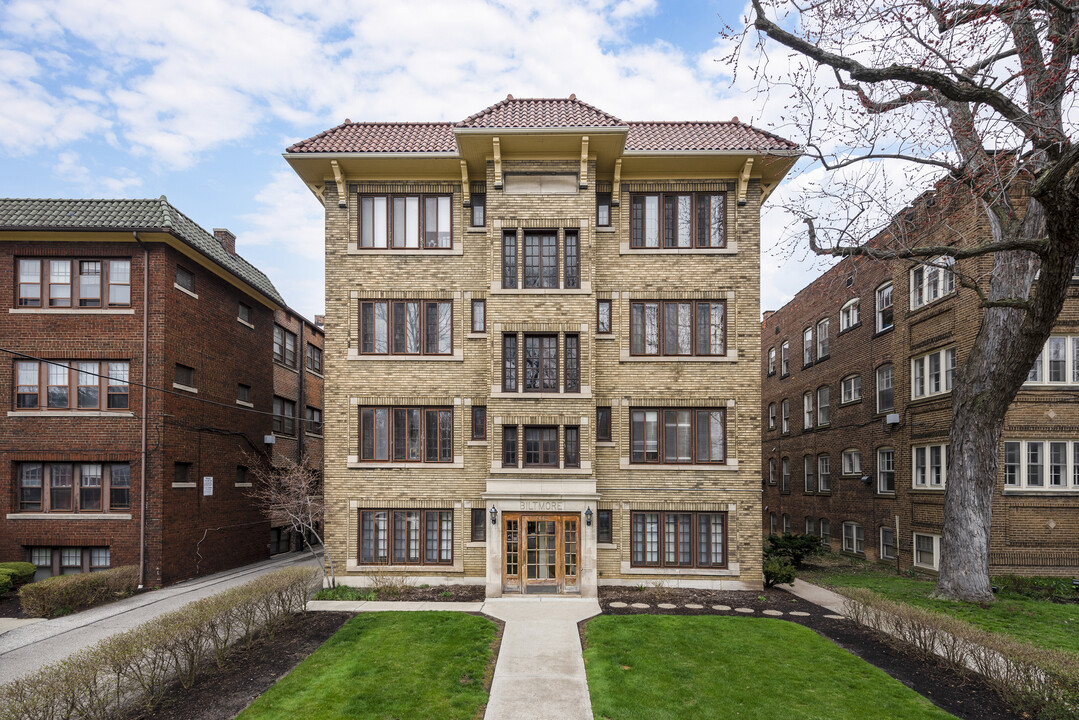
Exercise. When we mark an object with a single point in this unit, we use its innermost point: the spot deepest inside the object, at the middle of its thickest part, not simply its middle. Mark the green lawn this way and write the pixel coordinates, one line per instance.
(659, 667)
(398, 665)
(1041, 622)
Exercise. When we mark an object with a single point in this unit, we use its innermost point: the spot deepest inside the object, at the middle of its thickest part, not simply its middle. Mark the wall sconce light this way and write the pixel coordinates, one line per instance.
(588, 517)
(494, 515)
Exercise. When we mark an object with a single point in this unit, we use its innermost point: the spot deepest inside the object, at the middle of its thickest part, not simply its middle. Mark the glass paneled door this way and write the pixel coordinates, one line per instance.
(541, 554)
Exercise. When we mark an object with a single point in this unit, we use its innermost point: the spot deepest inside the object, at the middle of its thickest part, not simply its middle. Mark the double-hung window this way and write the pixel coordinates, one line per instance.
(886, 471)
(930, 466)
(677, 436)
(823, 339)
(479, 422)
(785, 406)
(852, 388)
(932, 374)
(771, 416)
(405, 221)
(807, 347)
(808, 468)
(314, 358)
(678, 539)
(887, 543)
(771, 361)
(479, 316)
(678, 328)
(406, 434)
(807, 411)
(71, 385)
(603, 424)
(927, 551)
(603, 209)
(73, 487)
(785, 475)
(885, 314)
(406, 537)
(1043, 465)
(824, 408)
(849, 315)
(603, 316)
(406, 327)
(284, 346)
(678, 220)
(784, 359)
(853, 538)
(931, 281)
(852, 462)
(885, 388)
(1057, 363)
(824, 473)
(96, 283)
(284, 416)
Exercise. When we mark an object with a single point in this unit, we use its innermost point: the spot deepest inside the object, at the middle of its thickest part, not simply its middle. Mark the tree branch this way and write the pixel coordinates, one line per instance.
(1039, 247)
(819, 155)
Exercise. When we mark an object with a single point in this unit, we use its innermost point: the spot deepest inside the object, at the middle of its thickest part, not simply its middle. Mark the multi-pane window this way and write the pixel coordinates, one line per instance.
(541, 260)
(773, 523)
(807, 411)
(849, 315)
(541, 363)
(823, 339)
(681, 220)
(572, 380)
(71, 385)
(51, 561)
(509, 259)
(887, 543)
(603, 209)
(932, 374)
(885, 313)
(852, 462)
(185, 278)
(509, 446)
(807, 346)
(406, 537)
(810, 526)
(809, 464)
(677, 328)
(771, 361)
(479, 210)
(786, 415)
(284, 346)
(406, 434)
(852, 388)
(572, 449)
(785, 475)
(927, 551)
(479, 316)
(73, 487)
(825, 531)
(284, 416)
(314, 358)
(1057, 363)
(479, 525)
(408, 221)
(479, 422)
(853, 538)
(784, 359)
(541, 446)
(509, 362)
(406, 327)
(824, 406)
(772, 471)
(824, 473)
(771, 416)
(885, 388)
(603, 424)
(243, 312)
(931, 281)
(74, 283)
(184, 375)
(572, 256)
(930, 466)
(603, 316)
(313, 416)
(677, 436)
(1051, 465)
(886, 470)
(786, 524)
(604, 532)
(678, 539)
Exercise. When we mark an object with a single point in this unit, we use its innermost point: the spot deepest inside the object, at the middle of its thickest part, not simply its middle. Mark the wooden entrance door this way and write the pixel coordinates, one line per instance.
(541, 554)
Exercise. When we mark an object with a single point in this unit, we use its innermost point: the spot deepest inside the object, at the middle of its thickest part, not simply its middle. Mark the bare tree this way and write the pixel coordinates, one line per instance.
(291, 491)
(983, 92)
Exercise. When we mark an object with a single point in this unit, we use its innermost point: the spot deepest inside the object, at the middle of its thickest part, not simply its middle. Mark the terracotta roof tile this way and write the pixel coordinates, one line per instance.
(381, 137)
(540, 113)
(731, 135)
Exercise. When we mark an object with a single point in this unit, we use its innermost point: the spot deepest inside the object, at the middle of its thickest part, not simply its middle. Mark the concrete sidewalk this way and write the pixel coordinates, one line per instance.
(27, 648)
(817, 595)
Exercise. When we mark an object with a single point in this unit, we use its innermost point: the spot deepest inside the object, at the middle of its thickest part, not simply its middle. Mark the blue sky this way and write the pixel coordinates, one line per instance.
(197, 100)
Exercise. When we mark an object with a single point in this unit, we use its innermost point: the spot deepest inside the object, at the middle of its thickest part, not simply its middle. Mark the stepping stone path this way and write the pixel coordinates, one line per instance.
(640, 606)
(666, 606)
(694, 606)
(744, 610)
(799, 613)
(722, 608)
(617, 604)
(835, 617)
(773, 613)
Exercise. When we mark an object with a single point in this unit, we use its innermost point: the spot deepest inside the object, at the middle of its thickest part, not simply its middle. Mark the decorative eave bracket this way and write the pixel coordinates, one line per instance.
(616, 186)
(498, 163)
(466, 196)
(743, 181)
(584, 162)
(339, 177)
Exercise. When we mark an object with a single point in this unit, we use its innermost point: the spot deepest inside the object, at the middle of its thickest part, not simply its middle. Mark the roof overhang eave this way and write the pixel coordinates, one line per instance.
(793, 152)
(569, 130)
(391, 155)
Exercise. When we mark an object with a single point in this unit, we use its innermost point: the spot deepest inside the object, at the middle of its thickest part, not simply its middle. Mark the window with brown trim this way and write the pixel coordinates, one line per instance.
(71, 385)
(479, 208)
(572, 448)
(313, 418)
(419, 327)
(678, 436)
(509, 446)
(572, 248)
(90, 283)
(406, 434)
(73, 487)
(314, 358)
(509, 362)
(52, 561)
(603, 316)
(284, 346)
(603, 209)
(479, 422)
(479, 525)
(573, 363)
(541, 363)
(681, 220)
(541, 446)
(406, 537)
(603, 424)
(284, 416)
(541, 259)
(479, 316)
(678, 328)
(678, 539)
(405, 221)
(243, 393)
(603, 526)
(509, 259)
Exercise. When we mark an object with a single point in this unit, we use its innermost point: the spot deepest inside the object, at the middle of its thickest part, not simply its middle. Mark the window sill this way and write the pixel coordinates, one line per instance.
(185, 290)
(70, 413)
(319, 436)
(627, 358)
(286, 367)
(476, 336)
(946, 395)
(585, 394)
(606, 336)
(853, 327)
(606, 443)
(244, 322)
(476, 544)
(457, 568)
(585, 289)
(476, 229)
(355, 464)
(845, 403)
(244, 403)
(606, 229)
(457, 249)
(319, 375)
(183, 485)
(476, 443)
(882, 331)
(730, 249)
(731, 465)
(243, 485)
(285, 436)
(1030, 492)
(68, 516)
(71, 311)
(884, 495)
(185, 388)
(731, 569)
(585, 469)
(457, 356)
(606, 546)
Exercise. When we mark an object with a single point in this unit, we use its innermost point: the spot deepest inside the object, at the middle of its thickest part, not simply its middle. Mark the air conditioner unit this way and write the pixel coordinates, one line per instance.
(892, 418)
(269, 439)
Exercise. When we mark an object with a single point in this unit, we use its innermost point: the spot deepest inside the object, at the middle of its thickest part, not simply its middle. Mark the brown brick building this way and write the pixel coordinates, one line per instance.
(868, 472)
(106, 297)
(542, 342)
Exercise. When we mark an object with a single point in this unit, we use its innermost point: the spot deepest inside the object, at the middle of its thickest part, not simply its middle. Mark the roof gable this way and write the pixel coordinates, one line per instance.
(540, 113)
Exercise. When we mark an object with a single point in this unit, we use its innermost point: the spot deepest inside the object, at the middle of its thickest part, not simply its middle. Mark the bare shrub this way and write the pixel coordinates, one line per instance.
(387, 583)
(68, 593)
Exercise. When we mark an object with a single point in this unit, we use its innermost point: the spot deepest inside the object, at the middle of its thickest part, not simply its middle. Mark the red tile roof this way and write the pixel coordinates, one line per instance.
(540, 113)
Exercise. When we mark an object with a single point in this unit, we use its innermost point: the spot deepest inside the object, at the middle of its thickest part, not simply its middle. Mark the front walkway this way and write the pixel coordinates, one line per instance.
(29, 647)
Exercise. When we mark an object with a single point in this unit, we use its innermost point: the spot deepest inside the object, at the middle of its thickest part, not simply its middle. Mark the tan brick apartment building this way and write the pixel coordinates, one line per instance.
(862, 458)
(106, 297)
(542, 341)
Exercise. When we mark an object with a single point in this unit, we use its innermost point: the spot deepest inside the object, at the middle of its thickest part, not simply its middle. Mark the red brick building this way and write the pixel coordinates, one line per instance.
(862, 457)
(140, 381)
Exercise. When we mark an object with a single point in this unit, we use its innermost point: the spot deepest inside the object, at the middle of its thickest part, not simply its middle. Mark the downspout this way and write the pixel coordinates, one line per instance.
(301, 352)
(145, 382)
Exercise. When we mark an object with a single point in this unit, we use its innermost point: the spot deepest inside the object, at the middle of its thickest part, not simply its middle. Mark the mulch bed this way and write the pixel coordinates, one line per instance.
(9, 605)
(965, 695)
(435, 593)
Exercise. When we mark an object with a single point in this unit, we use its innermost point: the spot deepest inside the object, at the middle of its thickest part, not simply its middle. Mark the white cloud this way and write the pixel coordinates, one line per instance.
(70, 169)
(288, 217)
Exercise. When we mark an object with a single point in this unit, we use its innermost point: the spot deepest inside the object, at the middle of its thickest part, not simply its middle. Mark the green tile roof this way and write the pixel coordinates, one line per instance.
(127, 215)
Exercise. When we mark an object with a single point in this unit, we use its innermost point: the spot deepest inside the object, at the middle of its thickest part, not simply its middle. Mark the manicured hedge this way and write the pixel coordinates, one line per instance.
(130, 672)
(21, 572)
(67, 593)
(7, 582)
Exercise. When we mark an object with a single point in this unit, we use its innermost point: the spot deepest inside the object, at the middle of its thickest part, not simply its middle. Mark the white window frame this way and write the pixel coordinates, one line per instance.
(824, 339)
(809, 478)
(824, 405)
(852, 388)
(824, 470)
(785, 359)
(852, 462)
(881, 464)
(824, 528)
(923, 378)
(936, 550)
(849, 315)
(785, 475)
(786, 524)
(1021, 480)
(807, 411)
(854, 540)
(1041, 371)
(807, 347)
(773, 523)
(785, 415)
(772, 361)
(923, 461)
(810, 526)
(891, 531)
(771, 416)
(890, 289)
(890, 387)
(931, 281)
(772, 471)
